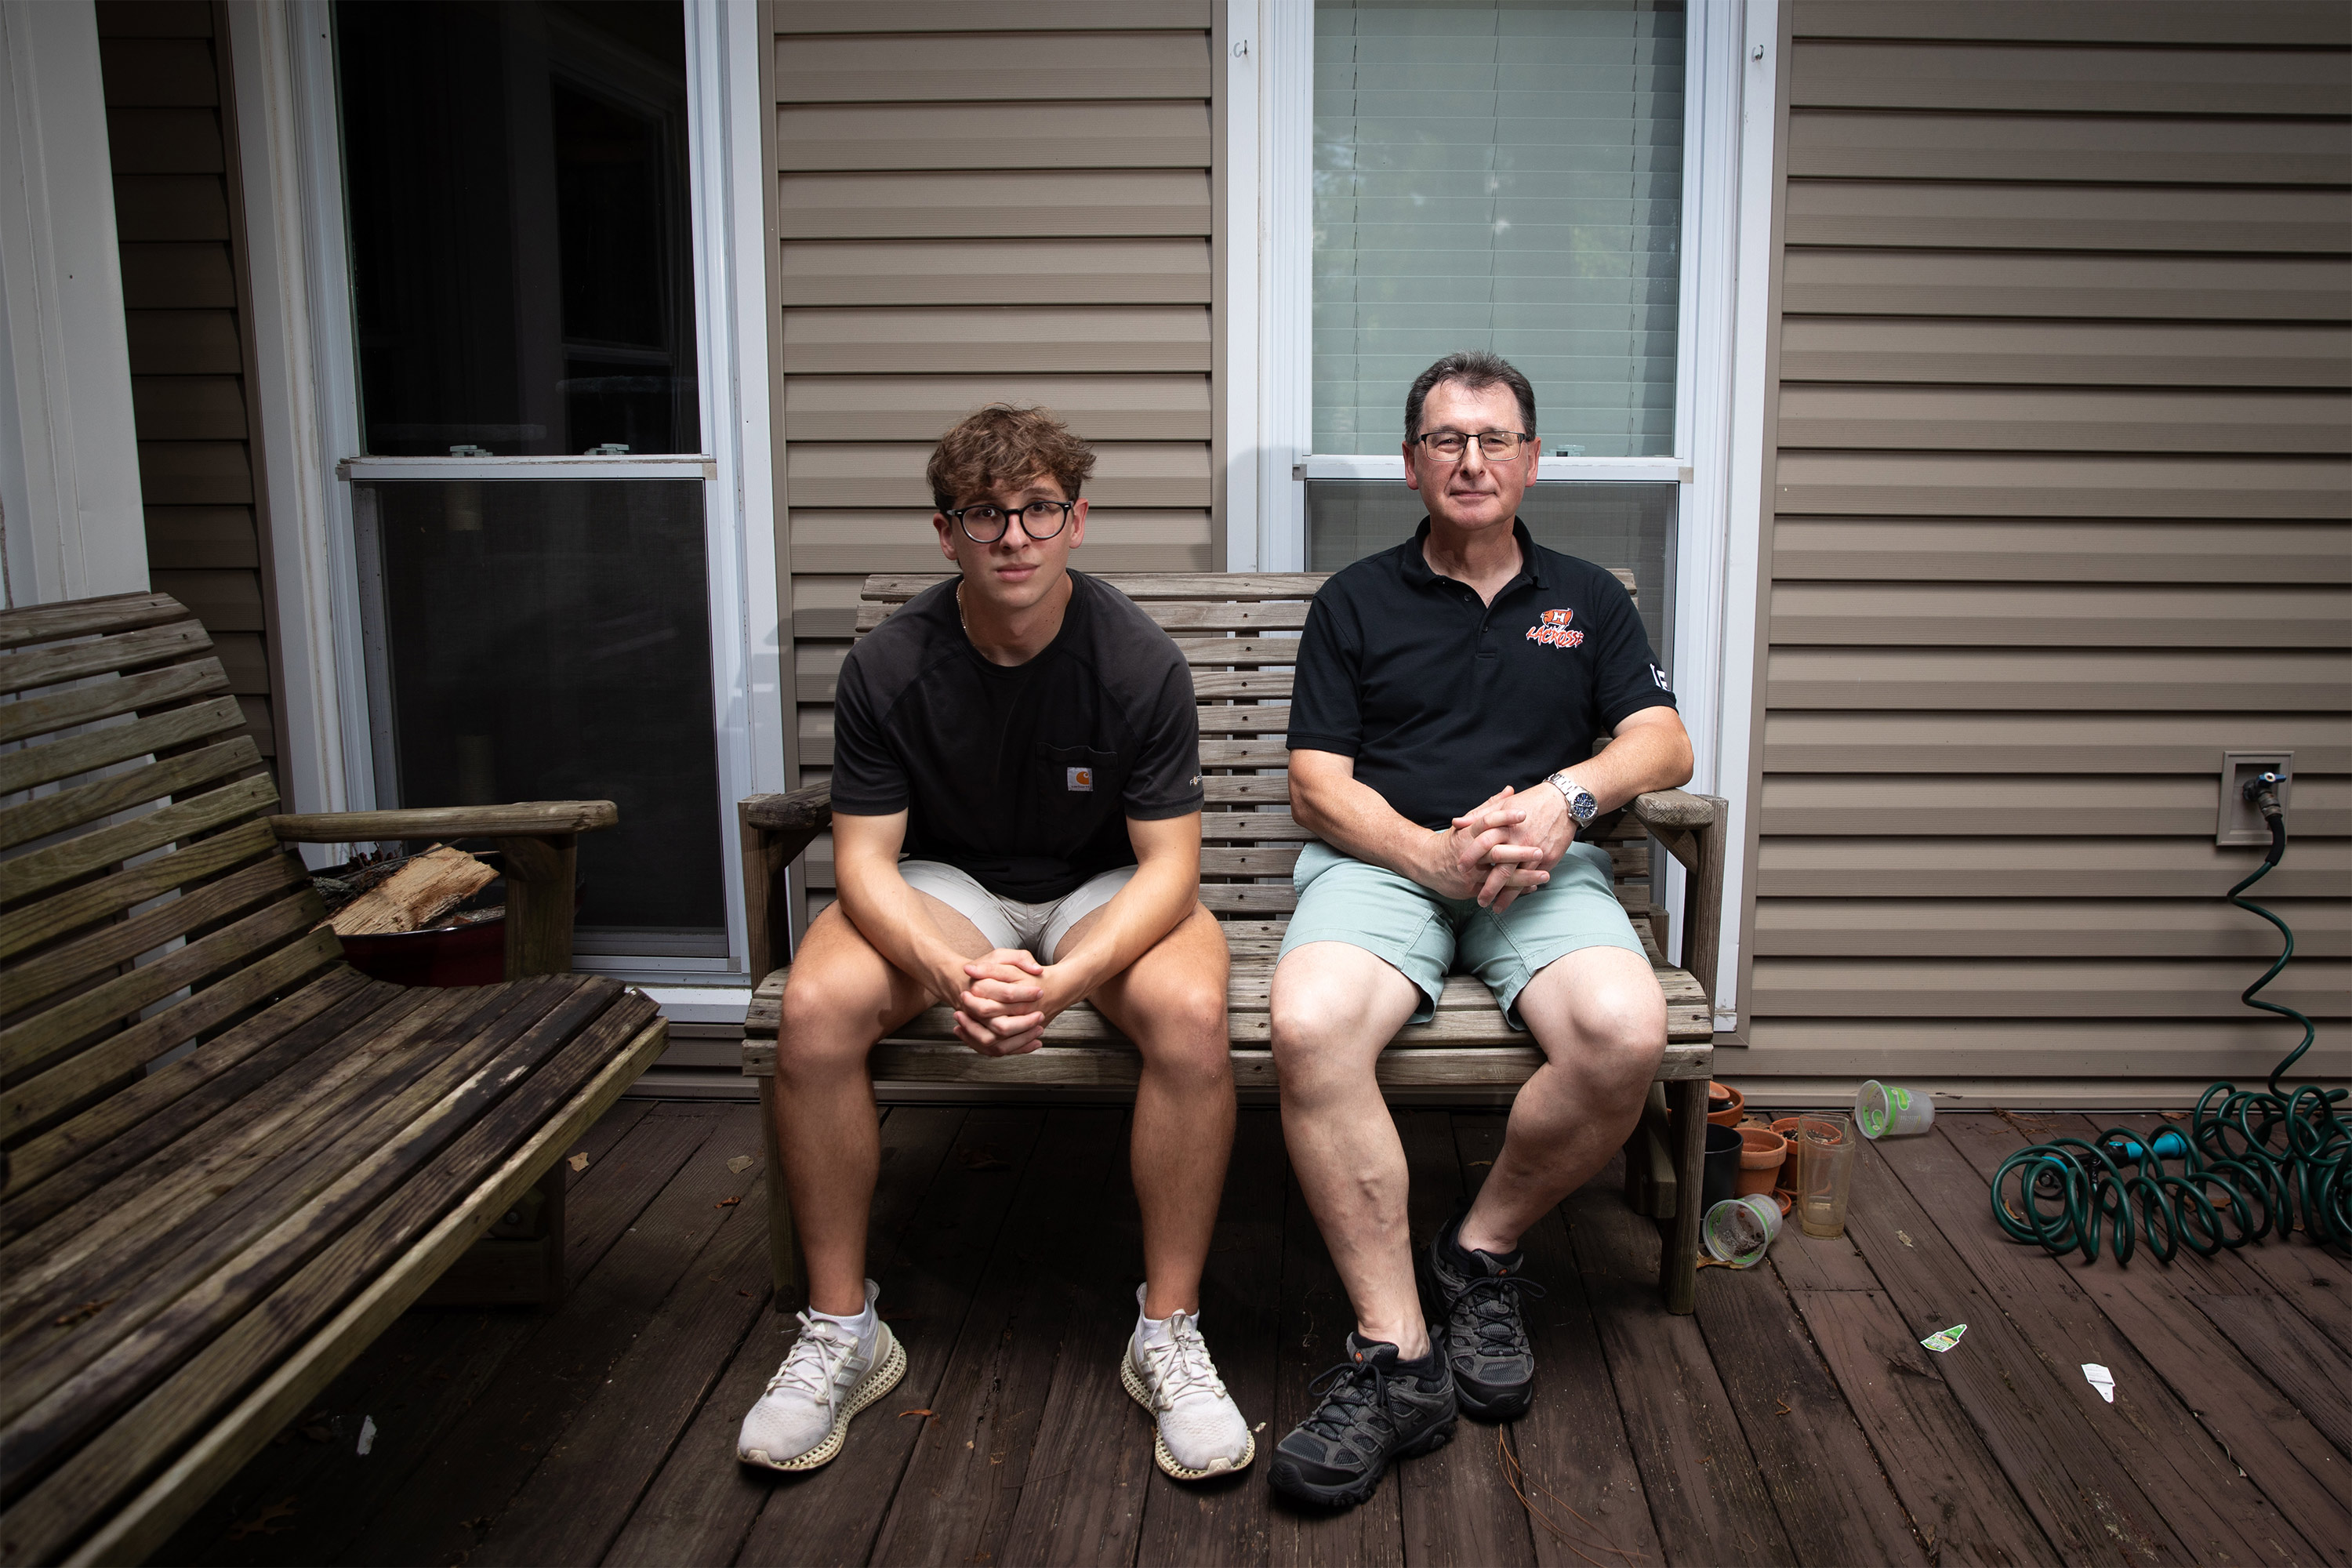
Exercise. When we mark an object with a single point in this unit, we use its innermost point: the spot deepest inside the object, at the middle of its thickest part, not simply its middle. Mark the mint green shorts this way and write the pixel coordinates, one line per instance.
(1426, 937)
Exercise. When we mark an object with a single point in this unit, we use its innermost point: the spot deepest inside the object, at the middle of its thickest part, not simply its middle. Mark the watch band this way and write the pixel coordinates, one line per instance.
(1581, 805)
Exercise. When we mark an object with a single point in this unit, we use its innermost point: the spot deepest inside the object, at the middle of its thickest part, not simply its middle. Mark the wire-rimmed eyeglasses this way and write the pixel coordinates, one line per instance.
(1500, 445)
(985, 523)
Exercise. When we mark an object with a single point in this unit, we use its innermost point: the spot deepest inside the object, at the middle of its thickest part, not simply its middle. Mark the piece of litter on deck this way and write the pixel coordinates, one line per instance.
(2101, 1379)
(367, 1435)
(739, 1164)
(1905, 1237)
(578, 1161)
(1943, 1340)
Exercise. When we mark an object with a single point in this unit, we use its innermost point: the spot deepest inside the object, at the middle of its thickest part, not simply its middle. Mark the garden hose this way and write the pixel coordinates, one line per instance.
(2255, 1160)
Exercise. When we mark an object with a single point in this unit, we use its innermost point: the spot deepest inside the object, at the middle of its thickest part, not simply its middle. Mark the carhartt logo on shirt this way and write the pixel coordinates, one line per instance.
(1082, 778)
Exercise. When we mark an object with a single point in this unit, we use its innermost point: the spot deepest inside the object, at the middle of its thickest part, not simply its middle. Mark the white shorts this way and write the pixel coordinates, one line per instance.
(1034, 929)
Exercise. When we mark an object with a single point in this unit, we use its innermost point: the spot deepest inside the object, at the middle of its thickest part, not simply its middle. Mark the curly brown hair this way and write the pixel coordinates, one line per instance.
(1005, 444)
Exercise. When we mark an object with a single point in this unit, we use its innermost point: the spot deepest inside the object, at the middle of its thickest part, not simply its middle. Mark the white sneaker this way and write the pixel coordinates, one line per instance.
(1201, 1430)
(829, 1376)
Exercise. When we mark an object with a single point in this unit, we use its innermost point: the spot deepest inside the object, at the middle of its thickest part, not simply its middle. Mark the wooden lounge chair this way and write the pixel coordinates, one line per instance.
(1228, 626)
(231, 1159)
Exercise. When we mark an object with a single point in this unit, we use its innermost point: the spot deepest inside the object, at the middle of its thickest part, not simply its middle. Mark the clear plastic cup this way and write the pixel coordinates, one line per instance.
(1825, 1156)
(1883, 1110)
(1737, 1230)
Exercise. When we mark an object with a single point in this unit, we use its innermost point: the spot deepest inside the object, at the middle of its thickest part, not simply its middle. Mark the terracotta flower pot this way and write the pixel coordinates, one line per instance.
(1724, 1104)
(1787, 1128)
(1760, 1153)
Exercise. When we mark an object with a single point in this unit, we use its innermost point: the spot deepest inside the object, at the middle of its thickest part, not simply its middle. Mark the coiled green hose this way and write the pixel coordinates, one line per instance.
(2255, 1159)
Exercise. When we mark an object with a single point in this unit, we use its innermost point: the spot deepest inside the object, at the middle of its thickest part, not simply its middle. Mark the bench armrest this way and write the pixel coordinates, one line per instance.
(776, 828)
(538, 842)
(1693, 829)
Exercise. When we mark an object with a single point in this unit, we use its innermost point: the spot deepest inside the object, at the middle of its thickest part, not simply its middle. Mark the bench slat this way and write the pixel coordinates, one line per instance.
(42, 869)
(43, 976)
(133, 885)
(76, 661)
(443, 1202)
(119, 743)
(71, 1391)
(61, 1165)
(63, 809)
(157, 689)
(36, 1101)
(87, 618)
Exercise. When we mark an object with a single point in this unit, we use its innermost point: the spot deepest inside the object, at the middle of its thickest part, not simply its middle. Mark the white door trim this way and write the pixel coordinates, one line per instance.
(73, 524)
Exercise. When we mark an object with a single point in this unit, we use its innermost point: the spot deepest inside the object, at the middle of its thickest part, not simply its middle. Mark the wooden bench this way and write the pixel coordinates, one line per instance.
(1232, 628)
(230, 1159)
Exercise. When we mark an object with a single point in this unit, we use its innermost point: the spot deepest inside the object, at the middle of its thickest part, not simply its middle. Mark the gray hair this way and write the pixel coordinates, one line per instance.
(1475, 370)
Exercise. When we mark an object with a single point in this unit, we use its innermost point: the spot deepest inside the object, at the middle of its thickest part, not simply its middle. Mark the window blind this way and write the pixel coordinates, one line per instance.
(1506, 176)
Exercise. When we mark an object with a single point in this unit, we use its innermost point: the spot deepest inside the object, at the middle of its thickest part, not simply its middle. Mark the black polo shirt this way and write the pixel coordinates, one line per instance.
(1025, 777)
(1442, 700)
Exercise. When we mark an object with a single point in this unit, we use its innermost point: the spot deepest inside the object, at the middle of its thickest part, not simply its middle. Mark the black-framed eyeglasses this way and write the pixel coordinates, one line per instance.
(985, 523)
(1501, 445)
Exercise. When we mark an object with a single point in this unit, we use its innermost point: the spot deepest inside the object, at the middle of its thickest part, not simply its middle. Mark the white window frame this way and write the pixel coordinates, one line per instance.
(1266, 350)
(307, 373)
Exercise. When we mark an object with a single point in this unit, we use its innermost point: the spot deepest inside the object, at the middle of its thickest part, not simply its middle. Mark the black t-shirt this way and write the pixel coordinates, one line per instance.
(1024, 776)
(1442, 700)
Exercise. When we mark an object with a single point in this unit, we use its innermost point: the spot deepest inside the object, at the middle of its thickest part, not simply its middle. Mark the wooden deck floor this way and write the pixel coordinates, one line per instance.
(1794, 1419)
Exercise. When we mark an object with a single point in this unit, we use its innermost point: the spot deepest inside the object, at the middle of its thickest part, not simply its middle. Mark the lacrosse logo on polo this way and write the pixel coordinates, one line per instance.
(1552, 630)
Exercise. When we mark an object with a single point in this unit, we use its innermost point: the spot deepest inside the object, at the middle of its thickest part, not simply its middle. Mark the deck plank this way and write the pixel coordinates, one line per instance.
(449, 1503)
(834, 1515)
(962, 1484)
(2220, 1380)
(1707, 1498)
(1964, 1507)
(1459, 1508)
(1827, 1481)
(703, 1504)
(2085, 1497)
(1228, 1522)
(1572, 1442)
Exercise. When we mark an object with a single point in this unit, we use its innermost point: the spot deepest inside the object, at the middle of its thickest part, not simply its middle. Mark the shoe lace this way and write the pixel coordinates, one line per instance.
(1181, 1363)
(1345, 1389)
(1495, 1302)
(814, 1359)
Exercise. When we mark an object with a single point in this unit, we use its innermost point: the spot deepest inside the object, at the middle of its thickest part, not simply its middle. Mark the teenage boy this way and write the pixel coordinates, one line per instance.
(1447, 698)
(1026, 739)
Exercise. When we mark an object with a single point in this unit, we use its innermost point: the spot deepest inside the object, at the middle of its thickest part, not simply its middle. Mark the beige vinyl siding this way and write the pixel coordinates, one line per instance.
(2060, 514)
(979, 202)
(175, 218)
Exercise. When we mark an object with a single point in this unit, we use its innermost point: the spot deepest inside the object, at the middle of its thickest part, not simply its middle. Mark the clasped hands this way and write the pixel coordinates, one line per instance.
(1502, 847)
(1005, 999)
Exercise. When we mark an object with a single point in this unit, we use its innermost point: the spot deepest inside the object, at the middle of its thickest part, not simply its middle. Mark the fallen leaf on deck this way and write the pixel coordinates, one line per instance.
(983, 1159)
(726, 1203)
(1782, 1407)
(2174, 1115)
(904, 1413)
(578, 1161)
(86, 1309)
(1904, 1236)
(739, 1164)
(1476, 1164)
(265, 1522)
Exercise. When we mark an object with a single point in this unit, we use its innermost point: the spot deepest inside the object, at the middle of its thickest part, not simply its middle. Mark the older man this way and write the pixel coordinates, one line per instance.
(1017, 797)
(1449, 694)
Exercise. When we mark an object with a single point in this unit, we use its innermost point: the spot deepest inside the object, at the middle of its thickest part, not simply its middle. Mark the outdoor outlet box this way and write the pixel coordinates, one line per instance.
(2240, 820)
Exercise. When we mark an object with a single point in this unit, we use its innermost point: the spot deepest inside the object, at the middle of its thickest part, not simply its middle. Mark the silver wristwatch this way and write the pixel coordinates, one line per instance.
(1581, 806)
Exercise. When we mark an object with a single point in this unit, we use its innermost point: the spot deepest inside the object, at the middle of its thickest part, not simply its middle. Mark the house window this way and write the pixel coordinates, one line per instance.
(1500, 177)
(532, 553)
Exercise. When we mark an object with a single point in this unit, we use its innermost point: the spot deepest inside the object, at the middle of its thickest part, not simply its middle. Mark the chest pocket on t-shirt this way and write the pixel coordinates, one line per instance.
(1076, 788)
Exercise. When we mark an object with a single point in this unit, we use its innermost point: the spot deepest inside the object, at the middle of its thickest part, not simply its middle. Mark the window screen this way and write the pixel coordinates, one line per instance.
(1505, 176)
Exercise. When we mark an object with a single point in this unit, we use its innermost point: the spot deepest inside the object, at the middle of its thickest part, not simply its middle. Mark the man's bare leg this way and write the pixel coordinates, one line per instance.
(842, 997)
(1334, 1008)
(1602, 1021)
(1172, 1002)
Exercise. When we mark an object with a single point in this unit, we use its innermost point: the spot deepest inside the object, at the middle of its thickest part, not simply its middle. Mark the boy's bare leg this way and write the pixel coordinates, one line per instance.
(842, 997)
(1172, 1002)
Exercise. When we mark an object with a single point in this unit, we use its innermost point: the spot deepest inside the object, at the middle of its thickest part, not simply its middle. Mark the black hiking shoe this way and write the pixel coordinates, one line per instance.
(1370, 1414)
(1478, 1295)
